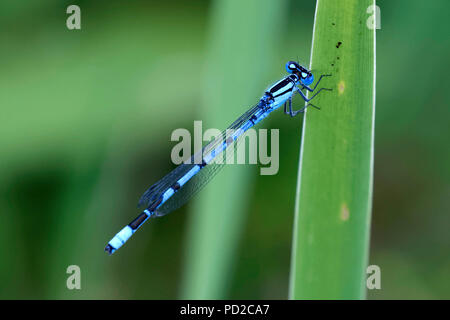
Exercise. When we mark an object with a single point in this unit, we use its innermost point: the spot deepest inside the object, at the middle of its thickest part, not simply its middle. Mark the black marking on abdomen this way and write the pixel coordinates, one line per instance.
(203, 164)
(154, 205)
(138, 221)
(176, 186)
(109, 248)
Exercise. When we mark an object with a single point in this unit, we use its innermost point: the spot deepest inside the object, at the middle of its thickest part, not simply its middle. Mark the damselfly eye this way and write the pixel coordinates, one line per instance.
(309, 79)
(291, 66)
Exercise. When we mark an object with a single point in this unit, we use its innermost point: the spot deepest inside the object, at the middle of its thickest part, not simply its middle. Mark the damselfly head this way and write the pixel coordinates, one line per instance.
(303, 74)
(307, 78)
(292, 67)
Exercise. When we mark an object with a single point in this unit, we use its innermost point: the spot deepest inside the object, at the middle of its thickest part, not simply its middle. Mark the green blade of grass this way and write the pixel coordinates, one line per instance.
(332, 216)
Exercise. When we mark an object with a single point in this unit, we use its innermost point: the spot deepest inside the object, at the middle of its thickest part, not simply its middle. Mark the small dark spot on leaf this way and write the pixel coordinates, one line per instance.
(338, 58)
(333, 23)
(338, 44)
(332, 64)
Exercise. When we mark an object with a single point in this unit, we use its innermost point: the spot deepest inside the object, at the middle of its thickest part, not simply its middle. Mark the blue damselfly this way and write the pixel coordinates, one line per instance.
(176, 188)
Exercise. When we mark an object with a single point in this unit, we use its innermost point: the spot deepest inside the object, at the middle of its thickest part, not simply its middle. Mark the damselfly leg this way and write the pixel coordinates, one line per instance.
(315, 94)
(288, 104)
(317, 83)
(293, 113)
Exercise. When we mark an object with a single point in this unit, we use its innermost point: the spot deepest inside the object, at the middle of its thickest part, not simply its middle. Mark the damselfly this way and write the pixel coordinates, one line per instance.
(176, 188)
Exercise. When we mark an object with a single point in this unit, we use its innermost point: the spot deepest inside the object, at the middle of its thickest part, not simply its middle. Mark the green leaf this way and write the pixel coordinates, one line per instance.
(332, 216)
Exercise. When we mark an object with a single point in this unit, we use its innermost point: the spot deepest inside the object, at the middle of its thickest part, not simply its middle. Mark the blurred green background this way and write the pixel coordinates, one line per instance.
(85, 123)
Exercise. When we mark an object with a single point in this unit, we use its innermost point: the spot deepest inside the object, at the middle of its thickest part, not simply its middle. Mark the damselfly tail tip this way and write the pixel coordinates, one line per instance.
(109, 249)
